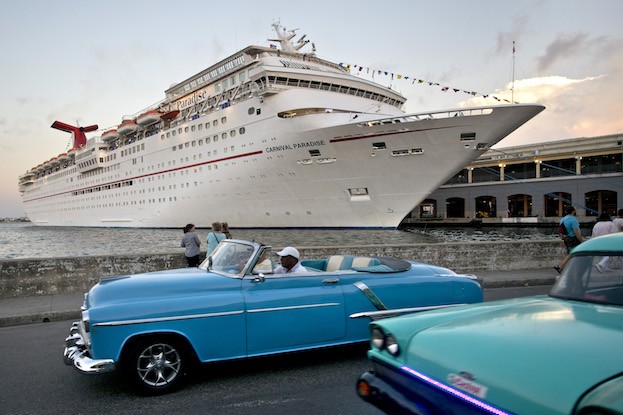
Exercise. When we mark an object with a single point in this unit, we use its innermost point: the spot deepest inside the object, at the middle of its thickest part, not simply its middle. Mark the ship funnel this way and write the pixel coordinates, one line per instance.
(80, 139)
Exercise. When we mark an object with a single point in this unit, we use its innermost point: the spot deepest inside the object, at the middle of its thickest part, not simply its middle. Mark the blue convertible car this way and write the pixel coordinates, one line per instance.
(155, 326)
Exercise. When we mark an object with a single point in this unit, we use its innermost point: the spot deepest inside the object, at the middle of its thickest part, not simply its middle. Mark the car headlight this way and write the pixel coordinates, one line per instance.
(382, 341)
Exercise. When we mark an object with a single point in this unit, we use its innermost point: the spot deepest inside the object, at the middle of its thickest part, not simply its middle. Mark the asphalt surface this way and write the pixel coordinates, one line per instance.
(57, 307)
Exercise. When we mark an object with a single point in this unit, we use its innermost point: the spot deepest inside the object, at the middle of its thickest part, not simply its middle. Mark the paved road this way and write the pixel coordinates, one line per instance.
(34, 380)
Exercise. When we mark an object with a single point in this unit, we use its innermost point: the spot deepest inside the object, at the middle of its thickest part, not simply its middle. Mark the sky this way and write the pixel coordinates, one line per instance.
(88, 62)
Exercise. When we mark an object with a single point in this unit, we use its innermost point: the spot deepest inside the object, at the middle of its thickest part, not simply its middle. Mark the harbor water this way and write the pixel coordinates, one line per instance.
(24, 240)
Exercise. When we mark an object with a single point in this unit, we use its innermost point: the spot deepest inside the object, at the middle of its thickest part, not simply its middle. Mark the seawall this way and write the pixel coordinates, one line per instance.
(33, 276)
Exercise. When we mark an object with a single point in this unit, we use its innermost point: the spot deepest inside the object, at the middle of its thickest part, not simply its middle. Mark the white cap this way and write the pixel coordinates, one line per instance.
(288, 250)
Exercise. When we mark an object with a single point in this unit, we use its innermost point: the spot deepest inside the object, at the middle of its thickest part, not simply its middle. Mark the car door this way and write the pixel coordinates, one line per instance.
(293, 311)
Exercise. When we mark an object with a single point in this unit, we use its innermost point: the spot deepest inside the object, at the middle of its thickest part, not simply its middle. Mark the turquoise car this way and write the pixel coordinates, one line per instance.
(156, 326)
(543, 355)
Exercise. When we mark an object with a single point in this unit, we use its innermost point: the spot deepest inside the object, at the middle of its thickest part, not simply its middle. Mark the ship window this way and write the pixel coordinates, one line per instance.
(200, 127)
(232, 133)
(215, 138)
(179, 130)
(192, 128)
(242, 130)
(232, 80)
(200, 142)
(314, 153)
(180, 146)
(241, 76)
(251, 111)
(215, 123)
(223, 120)
(224, 136)
(258, 111)
(468, 136)
(186, 145)
(379, 146)
(173, 133)
(207, 125)
(186, 129)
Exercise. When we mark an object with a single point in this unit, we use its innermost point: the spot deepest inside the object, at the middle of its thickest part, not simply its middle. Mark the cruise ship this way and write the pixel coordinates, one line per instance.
(270, 137)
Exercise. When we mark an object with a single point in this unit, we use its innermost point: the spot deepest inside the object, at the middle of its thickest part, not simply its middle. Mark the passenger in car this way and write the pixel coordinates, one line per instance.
(290, 262)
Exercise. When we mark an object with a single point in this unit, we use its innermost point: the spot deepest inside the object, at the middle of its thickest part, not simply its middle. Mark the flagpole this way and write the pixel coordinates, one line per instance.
(513, 75)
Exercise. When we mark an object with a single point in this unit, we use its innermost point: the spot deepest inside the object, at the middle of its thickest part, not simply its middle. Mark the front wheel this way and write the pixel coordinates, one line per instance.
(156, 366)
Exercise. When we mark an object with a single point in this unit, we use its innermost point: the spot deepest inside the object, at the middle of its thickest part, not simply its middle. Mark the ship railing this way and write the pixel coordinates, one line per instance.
(467, 112)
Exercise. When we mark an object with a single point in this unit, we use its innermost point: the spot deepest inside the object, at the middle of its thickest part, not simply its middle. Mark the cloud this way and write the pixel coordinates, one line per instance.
(505, 40)
(565, 46)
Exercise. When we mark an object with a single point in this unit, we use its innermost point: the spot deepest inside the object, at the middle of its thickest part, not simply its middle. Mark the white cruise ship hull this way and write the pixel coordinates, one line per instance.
(272, 181)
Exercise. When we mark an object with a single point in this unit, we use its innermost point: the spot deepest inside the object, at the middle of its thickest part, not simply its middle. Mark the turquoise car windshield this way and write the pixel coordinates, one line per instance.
(592, 278)
(229, 257)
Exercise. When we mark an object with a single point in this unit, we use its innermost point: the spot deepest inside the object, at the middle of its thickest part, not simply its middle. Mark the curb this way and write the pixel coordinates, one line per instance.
(40, 318)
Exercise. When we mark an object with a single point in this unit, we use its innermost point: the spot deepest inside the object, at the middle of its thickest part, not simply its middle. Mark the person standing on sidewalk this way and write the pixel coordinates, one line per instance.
(570, 236)
(604, 226)
(191, 242)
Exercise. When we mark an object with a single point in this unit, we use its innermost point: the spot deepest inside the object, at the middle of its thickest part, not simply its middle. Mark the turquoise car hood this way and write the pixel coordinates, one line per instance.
(160, 293)
(534, 356)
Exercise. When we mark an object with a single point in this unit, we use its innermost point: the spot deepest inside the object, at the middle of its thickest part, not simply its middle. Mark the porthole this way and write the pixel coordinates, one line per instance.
(232, 133)
(186, 129)
(242, 130)
(223, 120)
(215, 138)
(215, 123)
(224, 136)
(251, 111)
(207, 125)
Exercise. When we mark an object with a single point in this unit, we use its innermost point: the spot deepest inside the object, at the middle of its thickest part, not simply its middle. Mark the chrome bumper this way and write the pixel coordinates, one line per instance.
(76, 353)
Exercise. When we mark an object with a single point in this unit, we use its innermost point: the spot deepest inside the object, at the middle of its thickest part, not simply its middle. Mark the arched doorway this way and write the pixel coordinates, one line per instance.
(486, 207)
(600, 201)
(455, 207)
(519, 206)
(555, 203)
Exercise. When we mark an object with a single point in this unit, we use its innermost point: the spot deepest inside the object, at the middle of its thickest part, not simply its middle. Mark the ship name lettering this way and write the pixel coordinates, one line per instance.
(295, 146)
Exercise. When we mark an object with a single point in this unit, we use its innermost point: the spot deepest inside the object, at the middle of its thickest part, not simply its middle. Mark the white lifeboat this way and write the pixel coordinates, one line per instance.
(148, 118)
(127, 127)
(63, 157)
(110, 135)
(72, 153)
(54, 162)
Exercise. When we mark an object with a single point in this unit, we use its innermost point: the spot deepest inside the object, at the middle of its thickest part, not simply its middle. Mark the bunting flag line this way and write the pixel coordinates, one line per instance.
(359, 68)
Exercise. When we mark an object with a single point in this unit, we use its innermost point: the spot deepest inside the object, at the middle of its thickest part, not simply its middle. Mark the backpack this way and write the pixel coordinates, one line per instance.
(562, 229)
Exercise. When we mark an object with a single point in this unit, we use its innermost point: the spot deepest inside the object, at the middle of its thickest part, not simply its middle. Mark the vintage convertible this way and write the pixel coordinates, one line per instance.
(545, 355)
(156, 326)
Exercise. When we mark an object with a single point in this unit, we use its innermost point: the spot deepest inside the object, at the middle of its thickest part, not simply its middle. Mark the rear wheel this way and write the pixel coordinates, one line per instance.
(156, 365)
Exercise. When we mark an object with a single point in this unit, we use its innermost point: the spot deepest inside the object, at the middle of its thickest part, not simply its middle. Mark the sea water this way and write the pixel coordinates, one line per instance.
(24, 240)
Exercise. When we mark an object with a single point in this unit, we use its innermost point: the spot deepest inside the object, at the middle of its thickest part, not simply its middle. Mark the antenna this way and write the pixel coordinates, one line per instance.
(513, 76)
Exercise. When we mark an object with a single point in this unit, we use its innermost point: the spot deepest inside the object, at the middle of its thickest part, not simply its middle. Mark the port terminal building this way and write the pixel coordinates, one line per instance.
(531, 185)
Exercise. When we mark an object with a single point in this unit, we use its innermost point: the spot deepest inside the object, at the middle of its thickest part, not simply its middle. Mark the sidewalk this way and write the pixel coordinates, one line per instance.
(45, 308)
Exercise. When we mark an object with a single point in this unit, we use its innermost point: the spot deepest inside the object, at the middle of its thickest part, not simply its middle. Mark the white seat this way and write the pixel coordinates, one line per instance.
(361, 261)
(334, 263)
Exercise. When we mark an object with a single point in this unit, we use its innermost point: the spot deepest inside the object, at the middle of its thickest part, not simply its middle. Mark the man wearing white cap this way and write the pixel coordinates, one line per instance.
(290, 262)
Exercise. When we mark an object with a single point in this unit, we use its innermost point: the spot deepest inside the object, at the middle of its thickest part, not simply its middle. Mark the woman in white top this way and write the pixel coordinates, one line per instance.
(604, 226)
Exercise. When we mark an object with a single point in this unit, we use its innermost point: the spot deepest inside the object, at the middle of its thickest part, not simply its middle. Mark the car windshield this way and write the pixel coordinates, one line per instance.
(229, 257)
(592, 278)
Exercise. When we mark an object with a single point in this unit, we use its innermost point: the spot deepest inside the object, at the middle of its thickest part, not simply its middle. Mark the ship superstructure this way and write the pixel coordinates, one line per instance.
(268, 137)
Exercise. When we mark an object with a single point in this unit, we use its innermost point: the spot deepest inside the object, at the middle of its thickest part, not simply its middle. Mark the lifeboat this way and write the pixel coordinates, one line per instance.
(170, 115)
(110, 135)
(127, 127)
(148, 118)
(63, 157)
(54, 161)
(72, 153)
